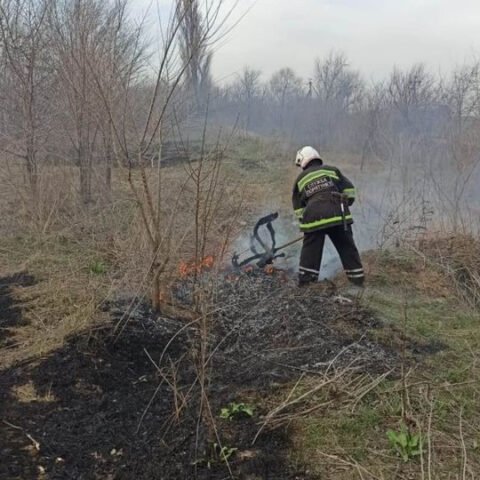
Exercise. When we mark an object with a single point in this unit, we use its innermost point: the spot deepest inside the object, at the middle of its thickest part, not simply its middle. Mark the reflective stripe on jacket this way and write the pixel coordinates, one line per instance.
(315, 198)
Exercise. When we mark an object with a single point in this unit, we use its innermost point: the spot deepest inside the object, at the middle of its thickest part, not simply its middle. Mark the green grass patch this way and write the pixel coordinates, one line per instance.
(337, 430)
(443, 389)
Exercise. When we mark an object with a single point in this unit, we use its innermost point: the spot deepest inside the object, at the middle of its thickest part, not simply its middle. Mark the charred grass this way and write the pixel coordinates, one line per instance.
(101, 406)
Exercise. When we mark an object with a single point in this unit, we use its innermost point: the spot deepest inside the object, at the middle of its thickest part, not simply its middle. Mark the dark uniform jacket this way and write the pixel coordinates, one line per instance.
(316, 198)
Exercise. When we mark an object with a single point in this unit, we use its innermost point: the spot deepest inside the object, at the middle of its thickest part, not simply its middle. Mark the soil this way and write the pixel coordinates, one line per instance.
(103, 410)
(10, 313)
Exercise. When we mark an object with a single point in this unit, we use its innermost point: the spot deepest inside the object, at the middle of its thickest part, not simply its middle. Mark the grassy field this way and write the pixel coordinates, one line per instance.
(84, 257)
(434, 396)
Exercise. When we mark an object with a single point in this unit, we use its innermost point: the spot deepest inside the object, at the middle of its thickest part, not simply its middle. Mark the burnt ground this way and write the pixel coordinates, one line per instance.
(103, 410)
(10, 313)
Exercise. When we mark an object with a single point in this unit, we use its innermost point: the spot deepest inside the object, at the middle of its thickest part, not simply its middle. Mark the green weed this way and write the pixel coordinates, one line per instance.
(224, 453)
(406, 444)
(216, 454)
(235, 411)
(98, 267)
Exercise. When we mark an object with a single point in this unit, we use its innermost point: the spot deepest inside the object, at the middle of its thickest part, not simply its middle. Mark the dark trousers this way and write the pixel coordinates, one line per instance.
(312, 251)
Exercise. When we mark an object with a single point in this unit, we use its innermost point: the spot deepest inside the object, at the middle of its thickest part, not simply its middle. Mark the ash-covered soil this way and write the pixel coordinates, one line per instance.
(279, 329)
(104, 407)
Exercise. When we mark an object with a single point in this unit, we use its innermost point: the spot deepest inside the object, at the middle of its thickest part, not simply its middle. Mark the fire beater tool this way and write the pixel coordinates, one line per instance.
(265, 252)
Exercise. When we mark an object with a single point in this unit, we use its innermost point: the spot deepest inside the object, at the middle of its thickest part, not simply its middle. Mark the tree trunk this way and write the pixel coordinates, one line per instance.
(32, 171)
(85, 175)
(108, 169)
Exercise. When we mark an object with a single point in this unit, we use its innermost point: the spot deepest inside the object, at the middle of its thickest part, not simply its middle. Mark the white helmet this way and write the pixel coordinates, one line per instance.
(305, 156)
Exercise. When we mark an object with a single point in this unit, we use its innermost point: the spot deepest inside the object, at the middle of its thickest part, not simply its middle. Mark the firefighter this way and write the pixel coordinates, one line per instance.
(321, 200)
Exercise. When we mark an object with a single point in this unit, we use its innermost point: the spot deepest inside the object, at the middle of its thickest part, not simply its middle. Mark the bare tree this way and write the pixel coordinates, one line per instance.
(460, 134)
(140, 134)
(91, 43)
(27, 82)
(338, 92)
(195, 51)
(411, 93)
(285, 89)
(119, 59)
(461, 94)
(248, 89)
(337, 84)
(76, 25)
(371, 119)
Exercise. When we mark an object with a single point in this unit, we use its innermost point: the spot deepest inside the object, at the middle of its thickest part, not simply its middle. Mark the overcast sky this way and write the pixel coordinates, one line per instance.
(374, 34)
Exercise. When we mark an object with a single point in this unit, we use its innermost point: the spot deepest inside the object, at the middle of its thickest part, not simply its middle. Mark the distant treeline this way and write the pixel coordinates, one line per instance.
(337, 108)
(80, 84)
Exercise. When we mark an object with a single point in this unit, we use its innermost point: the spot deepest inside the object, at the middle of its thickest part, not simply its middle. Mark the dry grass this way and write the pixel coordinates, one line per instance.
(73, 252)
(400, 267)
(27, 393)
(63, 300)
(81, 255)
(458, 257)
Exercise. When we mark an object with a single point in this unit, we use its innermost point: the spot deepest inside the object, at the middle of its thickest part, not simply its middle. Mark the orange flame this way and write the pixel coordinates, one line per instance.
(269, 269)
(186, 269)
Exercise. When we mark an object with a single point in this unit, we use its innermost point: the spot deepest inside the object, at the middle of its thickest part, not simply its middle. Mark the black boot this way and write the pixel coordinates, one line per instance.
(306, 278)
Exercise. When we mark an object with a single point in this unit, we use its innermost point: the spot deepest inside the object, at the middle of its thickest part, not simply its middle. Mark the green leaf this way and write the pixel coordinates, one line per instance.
(414, 440)
(392, 436)
(416, 452)
(225, 413)
(234, 410)
(402, 439)
(98, 268)
(248, 410)
(405, 444)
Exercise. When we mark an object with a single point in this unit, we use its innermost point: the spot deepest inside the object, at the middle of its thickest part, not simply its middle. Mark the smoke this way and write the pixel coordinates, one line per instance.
(416, 166)
(398, 201)
(286, 230)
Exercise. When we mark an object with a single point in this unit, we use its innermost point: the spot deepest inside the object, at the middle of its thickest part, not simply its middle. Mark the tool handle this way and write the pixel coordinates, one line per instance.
(292, 242)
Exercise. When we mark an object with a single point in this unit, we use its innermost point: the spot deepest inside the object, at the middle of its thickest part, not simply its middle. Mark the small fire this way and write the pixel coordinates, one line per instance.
(186, 269)
(281, 274)
(269, 269)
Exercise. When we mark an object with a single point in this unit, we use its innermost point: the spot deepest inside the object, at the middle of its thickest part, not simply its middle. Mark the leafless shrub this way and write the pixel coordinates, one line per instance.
(458, 256)
(26, 85)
